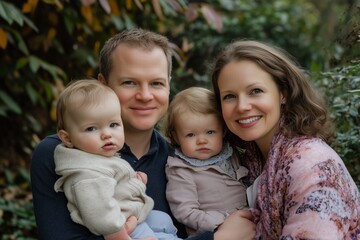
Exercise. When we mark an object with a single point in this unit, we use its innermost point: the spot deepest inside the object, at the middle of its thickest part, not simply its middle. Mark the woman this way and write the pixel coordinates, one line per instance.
(302, 188)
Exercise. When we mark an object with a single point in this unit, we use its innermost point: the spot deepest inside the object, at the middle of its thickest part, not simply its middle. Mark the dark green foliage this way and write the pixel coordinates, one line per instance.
(342, 88)
(17, 219)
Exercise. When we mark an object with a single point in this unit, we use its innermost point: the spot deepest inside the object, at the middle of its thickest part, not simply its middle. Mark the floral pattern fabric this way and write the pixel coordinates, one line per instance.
(305, 192)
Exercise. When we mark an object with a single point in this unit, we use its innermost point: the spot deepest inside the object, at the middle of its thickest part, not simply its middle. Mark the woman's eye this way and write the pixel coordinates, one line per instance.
(228, 96)
(256, 91)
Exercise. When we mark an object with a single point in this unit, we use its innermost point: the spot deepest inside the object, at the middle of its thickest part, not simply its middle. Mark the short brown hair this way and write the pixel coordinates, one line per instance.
(135, 37)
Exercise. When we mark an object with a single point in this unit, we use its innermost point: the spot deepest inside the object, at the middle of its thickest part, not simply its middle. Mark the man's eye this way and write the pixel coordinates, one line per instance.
(157, 84)
(128, 82)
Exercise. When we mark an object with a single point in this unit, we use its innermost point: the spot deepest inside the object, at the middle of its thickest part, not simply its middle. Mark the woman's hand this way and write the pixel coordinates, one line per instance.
(237, 226)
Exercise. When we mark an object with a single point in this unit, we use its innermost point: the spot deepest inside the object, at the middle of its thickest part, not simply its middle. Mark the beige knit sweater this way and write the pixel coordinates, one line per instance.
(102, 192)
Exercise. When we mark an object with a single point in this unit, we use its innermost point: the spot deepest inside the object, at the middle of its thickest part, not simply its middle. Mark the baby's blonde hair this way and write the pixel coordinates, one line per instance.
(196, 100)
(77, 94)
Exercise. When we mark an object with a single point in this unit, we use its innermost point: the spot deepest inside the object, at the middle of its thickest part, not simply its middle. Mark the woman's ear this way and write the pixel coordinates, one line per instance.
(283, 98)
(65, 138)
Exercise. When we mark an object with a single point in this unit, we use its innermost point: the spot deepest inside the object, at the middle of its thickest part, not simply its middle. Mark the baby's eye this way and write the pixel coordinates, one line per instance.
(90, 129)
(114, 125)
(210, 132)
(190, 135)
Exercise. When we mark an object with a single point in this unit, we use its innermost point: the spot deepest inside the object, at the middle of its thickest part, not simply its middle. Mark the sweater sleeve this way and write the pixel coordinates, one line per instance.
(181, 193)
(52, 216)
(97, 206)
(320, 198)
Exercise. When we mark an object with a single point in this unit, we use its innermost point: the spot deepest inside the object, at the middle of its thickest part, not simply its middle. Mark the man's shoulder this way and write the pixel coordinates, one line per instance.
(50, 141)
(164, 144)
(46, 147)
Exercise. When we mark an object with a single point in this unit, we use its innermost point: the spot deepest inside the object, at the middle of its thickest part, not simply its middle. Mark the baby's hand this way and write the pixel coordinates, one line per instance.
(141, 176)
(131, 224)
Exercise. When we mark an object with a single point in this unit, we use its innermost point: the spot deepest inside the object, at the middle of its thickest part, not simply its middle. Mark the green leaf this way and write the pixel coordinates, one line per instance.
(3, 13)
(9, 102)
(47, 88)
(53, 70)
(31, 93)
(21, 43)
(34, 64)
(354, 113)
(15, 14)
(30, 24)
(354, 91)
(128, 22)
(22, 62)
(69, 24)
(119, 25)
(3, 111)
(11, 13)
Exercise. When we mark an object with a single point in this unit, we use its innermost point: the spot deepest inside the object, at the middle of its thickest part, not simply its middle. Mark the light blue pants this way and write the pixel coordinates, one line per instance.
(158, 224)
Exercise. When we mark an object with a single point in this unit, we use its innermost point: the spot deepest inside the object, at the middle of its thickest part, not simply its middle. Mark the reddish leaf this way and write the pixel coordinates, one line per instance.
(157, 8)
(105, 5)
(191, 12)
(139, 5)
(114, 8)
(3, 38)
(175, 5)
(29, 6)
(212, 17)
(87, 2)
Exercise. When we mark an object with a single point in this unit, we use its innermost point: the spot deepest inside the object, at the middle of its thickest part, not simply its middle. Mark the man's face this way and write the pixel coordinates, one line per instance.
(140, 79)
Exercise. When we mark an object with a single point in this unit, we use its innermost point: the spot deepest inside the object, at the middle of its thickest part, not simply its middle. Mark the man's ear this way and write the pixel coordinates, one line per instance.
(65, 138)
(101, 78)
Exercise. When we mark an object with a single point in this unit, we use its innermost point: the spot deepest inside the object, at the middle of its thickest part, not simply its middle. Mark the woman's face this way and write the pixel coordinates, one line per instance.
(250, 101)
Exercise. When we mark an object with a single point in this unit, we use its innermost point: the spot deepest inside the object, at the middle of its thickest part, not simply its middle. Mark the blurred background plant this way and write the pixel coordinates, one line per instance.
(46, 43)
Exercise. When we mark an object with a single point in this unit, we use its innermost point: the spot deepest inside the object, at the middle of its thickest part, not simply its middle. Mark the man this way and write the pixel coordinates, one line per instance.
(136, 64)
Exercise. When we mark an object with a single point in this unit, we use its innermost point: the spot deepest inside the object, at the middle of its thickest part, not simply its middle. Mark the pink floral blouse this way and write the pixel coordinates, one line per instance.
(304, 192)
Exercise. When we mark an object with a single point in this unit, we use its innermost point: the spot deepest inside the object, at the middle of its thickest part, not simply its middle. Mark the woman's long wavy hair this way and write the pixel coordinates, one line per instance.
(305, 111)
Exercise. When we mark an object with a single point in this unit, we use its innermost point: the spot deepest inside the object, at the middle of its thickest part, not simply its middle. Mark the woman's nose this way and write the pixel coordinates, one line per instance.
(243, 104)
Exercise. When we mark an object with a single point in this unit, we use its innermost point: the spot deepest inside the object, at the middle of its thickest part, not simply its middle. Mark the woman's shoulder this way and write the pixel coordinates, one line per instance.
(302, 156)
(313, 149)
(314, 159)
